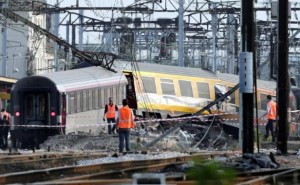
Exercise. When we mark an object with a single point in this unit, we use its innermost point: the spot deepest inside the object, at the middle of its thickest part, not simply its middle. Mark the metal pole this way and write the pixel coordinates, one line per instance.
(214, 23)
(4, 40)
(283, 76)
(271, 56)
(246, 65)
(180, 34)
(56, 23)
(68, 41)
(13, 66)
(230, 47)
(80, 31)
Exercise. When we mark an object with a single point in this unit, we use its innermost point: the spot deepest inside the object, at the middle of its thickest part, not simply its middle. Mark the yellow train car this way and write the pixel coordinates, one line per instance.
(163, 90)
(5, 86)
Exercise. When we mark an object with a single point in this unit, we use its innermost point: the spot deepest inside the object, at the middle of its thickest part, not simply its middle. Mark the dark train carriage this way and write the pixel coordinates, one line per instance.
(41, 104)
(35, 107)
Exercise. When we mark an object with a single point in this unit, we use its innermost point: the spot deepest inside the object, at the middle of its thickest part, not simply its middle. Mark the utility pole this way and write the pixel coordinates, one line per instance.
(4, 39)
(67, 57)
(214, 22)
(283, 75)
(181, 34)
(80, 31)
(230, 47)
(246, 77)
(56, 25)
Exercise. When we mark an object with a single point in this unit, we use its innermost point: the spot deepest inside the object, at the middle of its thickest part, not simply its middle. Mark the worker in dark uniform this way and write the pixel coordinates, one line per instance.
(5, 130)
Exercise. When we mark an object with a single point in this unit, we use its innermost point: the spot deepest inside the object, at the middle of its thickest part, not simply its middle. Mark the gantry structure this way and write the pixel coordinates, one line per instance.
(148, 31)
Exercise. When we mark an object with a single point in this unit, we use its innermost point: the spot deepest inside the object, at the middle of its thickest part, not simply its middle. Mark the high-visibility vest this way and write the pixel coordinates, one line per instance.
(272, 111)
(125, 118)
(111, 111)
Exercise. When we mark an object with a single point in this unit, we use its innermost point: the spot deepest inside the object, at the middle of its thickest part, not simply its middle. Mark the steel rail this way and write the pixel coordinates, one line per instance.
(69, 171)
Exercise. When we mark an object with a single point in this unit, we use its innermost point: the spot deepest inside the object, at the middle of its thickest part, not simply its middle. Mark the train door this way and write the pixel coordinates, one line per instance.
(130, 91)
(36, 108)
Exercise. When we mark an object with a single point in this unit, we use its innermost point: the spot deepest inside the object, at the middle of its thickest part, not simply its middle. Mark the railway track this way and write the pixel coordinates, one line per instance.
(34, 161)
(122, 172)
(100, 170)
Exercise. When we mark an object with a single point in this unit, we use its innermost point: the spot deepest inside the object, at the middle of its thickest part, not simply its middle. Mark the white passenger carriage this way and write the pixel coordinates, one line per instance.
(63, 102)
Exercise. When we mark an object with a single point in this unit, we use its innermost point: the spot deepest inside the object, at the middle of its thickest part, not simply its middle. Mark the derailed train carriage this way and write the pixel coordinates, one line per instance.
(41, 105)
(171, 90)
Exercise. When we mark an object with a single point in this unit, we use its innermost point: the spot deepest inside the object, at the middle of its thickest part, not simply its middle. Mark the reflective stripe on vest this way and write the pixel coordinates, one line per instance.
(111, 111)
(125, 118)
(272, 111)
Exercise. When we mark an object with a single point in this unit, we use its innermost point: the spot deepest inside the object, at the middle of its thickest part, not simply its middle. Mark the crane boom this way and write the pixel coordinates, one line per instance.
(102, 59)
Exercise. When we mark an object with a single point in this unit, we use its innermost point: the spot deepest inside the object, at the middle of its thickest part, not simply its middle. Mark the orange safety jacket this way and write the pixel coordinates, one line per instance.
(111, 111)
(125, 118)
(272, 110)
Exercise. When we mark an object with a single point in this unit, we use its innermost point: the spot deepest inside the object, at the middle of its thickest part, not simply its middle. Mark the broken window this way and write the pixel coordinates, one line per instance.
(220, 90)
(232, 96)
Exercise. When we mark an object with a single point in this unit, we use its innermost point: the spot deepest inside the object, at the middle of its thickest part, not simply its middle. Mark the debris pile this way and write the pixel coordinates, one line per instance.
(256, 161)
(209, 136)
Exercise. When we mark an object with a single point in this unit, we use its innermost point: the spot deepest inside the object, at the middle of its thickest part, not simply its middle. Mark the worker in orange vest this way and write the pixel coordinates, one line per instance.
(125, 122)
(110, 115)
(271, 116)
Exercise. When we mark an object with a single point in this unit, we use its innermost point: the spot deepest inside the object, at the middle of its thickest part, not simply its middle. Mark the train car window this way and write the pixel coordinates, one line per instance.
(35, 107)
(149, 84)
(95, 99)
(167, 86)
(203, 90)
(29, 106)
(109, 93)
(71, 102)
(41, 106)
(232, 96)
(263, 101)
(99, 102)
(75, 102)
(220, 90)
(118, 91)
(79, 101)
(103, 97)
(84, 102)
(90, 99)
(106, 95)
(186, 88)
(114, 93)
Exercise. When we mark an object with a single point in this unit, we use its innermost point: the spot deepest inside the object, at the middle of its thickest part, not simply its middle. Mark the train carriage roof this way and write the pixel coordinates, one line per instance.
(84, 78)
(191, 72)
(167, 69)
(261, 84)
